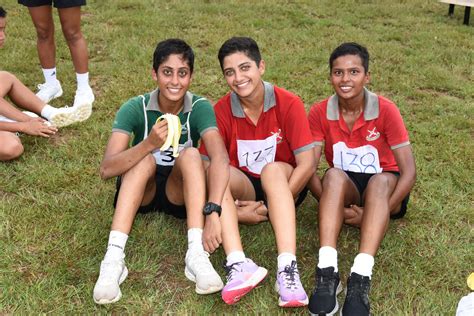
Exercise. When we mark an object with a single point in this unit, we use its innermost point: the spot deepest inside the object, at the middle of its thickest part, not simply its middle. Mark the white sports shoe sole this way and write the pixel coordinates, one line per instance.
(210, 290)
(103, 301)
(82, 113)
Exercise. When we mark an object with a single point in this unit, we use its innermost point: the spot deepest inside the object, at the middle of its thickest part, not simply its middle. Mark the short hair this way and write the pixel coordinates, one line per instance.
(244, 45)
(173, 46)
(351, 49)
(3, 13)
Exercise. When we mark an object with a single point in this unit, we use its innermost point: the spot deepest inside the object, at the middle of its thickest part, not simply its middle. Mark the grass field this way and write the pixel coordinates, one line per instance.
(55, 211)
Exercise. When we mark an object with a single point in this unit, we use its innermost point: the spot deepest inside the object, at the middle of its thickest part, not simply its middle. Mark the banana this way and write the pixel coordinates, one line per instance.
(174, 133)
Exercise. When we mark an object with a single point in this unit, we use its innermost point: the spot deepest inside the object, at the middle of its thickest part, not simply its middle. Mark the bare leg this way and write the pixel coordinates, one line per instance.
(71, 26)
(281, 206)
(11, 146)
(376, 212)
(338, 191)
(43, 21)
(138, 188)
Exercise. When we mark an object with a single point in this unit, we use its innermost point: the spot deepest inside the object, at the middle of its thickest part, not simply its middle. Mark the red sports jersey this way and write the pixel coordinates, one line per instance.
(368, 148)
(283, 122)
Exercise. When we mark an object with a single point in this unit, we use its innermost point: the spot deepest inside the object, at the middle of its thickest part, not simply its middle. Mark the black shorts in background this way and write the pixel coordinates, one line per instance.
(160, 202)
(60, 4)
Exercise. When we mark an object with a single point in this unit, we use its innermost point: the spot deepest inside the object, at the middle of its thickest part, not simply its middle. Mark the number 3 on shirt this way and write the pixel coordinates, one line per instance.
(364, 159)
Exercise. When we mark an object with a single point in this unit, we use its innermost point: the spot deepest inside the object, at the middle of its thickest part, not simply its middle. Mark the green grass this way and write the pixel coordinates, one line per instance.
(55, 212)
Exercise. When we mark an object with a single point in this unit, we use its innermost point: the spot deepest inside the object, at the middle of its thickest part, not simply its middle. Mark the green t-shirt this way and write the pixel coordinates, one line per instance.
(197, 115)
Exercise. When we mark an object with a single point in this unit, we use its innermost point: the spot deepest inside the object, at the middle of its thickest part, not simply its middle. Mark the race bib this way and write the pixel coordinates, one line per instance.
(255, 154)
(165, 158)
(364, 159)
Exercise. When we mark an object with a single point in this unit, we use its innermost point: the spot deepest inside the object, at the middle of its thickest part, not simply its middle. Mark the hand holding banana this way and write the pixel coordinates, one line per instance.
(174, 133)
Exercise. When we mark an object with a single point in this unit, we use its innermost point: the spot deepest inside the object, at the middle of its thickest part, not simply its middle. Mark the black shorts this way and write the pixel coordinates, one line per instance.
(60, 4)
(260, 195)
(160, 202)
(362, 179)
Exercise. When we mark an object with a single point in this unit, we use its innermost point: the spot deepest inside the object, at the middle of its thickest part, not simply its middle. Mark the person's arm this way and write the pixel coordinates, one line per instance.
(305, 168)
(315, 185)
(217, 181)
(118, 158)
(406, 164)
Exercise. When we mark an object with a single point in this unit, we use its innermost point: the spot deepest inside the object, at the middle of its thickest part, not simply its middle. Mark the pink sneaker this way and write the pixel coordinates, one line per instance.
(242, 277)
(288, 285)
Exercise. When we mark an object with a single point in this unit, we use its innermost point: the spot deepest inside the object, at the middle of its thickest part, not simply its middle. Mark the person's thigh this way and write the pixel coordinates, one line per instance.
(240, 185)
(70, 18)
(6, 82)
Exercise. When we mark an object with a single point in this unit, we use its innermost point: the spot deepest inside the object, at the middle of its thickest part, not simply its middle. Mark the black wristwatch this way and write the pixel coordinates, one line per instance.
(211, 207)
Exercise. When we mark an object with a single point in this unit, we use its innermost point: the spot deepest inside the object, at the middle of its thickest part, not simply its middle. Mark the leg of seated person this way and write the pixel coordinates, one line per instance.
(19, 94)
(11, 146)
(376, 211)
(138, 188)
(338, 191)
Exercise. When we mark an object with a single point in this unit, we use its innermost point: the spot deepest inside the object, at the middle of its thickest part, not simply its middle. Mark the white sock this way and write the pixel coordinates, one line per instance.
(82, 81)
(116, 245)
(284, 259)
(48, 111)
(327, 258)
(50, 75)
(363, 264)
(235, 256)
(195, 239)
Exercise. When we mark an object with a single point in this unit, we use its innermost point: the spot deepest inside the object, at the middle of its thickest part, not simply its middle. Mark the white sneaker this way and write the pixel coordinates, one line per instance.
(107, 287)
(84, 96)
(69, 115)
(49, 91)
(200, 270)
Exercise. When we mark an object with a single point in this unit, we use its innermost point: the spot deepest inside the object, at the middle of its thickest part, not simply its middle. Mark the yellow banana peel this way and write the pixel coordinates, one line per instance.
(174, 133)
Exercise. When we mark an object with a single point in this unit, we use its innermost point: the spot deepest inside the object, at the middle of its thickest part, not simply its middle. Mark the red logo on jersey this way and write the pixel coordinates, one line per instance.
(373, 135)
(278, 136)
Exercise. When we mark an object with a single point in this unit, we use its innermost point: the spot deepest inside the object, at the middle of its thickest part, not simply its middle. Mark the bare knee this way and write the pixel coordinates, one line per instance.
(381, 184)
(6, 80)
(144, 168)
(72, 36)
(44, 33)
(334, 178)
(11, 148)
(189, 156)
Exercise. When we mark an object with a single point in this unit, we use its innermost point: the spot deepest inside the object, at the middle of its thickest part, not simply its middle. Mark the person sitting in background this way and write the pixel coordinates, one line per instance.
(13, 121)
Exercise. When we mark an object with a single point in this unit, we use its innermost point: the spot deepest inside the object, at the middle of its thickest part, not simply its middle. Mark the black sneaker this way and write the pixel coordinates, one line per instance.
(357, 297)
(323, 301)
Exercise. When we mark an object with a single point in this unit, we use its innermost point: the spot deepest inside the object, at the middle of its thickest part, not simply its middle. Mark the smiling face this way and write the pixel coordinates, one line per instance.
(173, 78)
(348, 77)
(243, 75)
(3, 24)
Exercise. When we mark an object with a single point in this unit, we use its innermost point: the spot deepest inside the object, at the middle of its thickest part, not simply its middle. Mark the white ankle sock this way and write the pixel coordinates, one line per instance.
(363, 264)
(327, 258)
(82, 81)
(284, 259)
(48, 111)
(50, 75)
(116, 245)
(235, 256)
(195, 239)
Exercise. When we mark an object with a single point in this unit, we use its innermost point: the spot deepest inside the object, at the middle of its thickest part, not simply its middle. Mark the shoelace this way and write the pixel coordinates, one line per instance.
(289, 278)
(231, 269)
(358, 289)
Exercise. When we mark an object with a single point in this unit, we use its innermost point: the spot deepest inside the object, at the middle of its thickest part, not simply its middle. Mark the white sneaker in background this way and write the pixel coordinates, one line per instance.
(107, 287)
(200, 270)
(49, 91)
(84, 96)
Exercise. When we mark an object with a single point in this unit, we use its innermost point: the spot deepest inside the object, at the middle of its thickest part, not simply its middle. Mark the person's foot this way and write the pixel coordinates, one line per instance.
(69, 115)
(323, 300)
(357, 297)
(242, 277)
(84, 96)
(288, 285)
(49, 91)
(200, 270)
(107, 287)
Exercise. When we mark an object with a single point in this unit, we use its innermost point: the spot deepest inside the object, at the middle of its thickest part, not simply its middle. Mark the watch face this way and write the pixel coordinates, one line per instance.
(211, 207)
